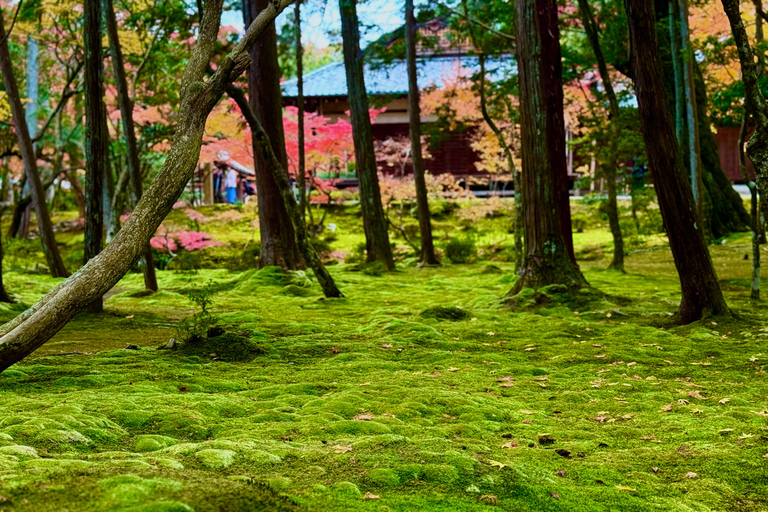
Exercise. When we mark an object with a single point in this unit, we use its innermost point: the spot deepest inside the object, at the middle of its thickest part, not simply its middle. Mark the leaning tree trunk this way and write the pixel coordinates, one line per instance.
(428, 256)
(757, 147)
(126, 110)
(374, 220)
(701, 293)
(95, 137)
(278, 245)
(548, 259)
(279, 174)
(28, 331)
(51, 250)
(609, 168)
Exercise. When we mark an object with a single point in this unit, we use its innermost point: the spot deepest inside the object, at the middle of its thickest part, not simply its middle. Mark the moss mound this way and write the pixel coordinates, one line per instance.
(228, 347)
(446, 313)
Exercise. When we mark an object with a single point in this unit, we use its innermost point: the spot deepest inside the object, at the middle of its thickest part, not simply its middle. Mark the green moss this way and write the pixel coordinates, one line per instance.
(384, 477)
(366, 395)
(21, 452)
(152, 442)
(216, 459)
(446, 313)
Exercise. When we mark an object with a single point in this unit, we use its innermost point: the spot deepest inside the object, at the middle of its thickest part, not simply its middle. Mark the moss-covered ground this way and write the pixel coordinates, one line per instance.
(365, 403)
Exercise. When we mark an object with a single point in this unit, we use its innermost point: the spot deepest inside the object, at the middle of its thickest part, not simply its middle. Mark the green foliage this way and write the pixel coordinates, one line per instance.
(461, 249)
(198, 325)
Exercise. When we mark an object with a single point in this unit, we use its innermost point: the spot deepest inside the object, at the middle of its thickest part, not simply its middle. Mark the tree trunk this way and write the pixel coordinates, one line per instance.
(691, 114)
(51, 250)
(301, 175)
(278, 245)
(95, 137)
(725, 212)
(757, 147)
(610, 165)
(428, 256)
(28, 331)
(755, 288)
(280, 176)
(77, 189)
(4, 297)
(126, 110)
(374, 220)
(701, 293)
(673, 19)
(549, 255)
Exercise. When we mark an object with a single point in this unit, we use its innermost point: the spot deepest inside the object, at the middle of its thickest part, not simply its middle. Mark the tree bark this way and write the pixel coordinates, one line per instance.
(754, 292)
(694, 150)
(126, 110)
(428, 256)
(701, 293)
(278, 246)
(301, 177)
(724, 209)
(95, 137)
(280, 176)
(757, 147)
(610, 165)
(548, 241)
(374, 220)
(51, 250)
(28, 331)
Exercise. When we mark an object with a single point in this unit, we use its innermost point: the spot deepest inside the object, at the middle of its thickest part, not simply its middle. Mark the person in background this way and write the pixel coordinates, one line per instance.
(248, 190)
(231, 186)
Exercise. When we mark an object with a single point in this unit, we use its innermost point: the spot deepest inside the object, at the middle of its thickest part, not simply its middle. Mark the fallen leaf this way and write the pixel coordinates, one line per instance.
(724, 401)
(496, 464)
(561, 473)
(696, 394)
(667, 407)
(369, 496)
(489, 498)
(386, 345)
(340, 448)
(524, 411)
(691, 474)
(655, 469)
(510, 445)
(625, 488)
(363, 416)
(448, 416)
(129, 317)
(556, 496)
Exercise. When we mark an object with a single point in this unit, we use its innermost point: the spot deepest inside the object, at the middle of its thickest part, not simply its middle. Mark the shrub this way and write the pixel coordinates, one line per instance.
(461, 249)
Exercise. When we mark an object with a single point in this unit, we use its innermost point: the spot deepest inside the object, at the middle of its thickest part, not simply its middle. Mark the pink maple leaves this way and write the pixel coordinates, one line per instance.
(188, 240)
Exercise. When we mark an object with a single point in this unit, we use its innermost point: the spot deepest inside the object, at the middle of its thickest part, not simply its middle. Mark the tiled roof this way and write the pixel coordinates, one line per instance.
(392, 78)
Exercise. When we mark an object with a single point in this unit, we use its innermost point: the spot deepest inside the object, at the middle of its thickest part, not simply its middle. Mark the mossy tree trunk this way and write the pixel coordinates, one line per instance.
(37, 194)
(279, 174)
(278, 241)
(428, 256)
(724, 209)
(611, 163)
(28, 331)
(757, 147)
(374, 220)
(548, 254)
(701, 293)
(96, 143)
(126, 111)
